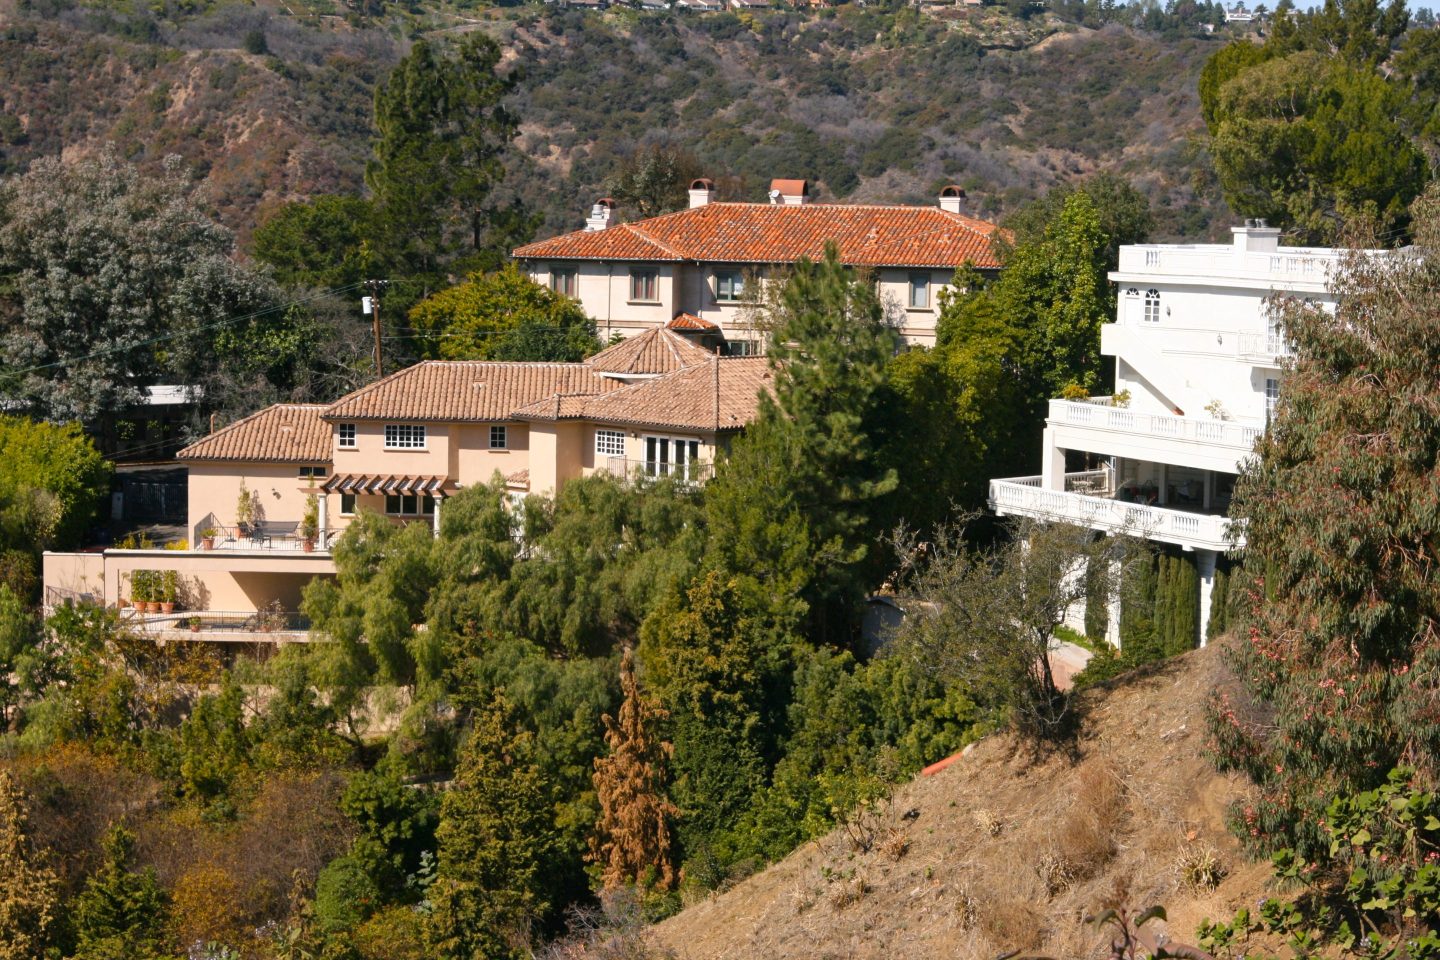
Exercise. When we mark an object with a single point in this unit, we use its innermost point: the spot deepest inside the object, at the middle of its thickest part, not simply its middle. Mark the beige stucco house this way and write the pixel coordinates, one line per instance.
(659, 404)
(706, 262)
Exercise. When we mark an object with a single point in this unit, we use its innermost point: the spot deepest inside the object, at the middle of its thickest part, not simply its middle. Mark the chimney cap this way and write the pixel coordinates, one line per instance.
(951, 190)
(702, 183)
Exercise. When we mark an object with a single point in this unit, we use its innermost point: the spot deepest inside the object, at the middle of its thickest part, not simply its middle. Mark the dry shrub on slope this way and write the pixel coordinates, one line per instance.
(1010, 851)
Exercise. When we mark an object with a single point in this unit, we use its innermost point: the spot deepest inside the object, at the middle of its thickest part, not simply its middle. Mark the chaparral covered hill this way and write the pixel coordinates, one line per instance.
(1005, 850)
(271, 101)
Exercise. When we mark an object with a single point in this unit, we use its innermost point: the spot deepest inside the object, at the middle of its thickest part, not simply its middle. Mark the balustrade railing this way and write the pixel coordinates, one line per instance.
(1229, 433)
(1023, 496)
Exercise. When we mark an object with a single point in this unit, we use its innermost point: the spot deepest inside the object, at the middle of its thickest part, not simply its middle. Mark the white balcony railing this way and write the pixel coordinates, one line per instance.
(691, 471)
(1228, 433)
(1265, 347)
(1286, 265)
(1023, 496)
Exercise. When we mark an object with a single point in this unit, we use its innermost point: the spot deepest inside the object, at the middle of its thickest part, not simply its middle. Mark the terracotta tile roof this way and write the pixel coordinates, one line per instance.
(465, 390)
(688, 321)
(868, 235)
(520, 478)
(284, 433)
(721, 394)
(652, 352)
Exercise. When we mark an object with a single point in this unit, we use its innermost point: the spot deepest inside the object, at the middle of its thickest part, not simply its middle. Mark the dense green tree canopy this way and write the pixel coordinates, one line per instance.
(319, 242)
(1315, 127)
(502, 316)
(111, 280)
(52, 481)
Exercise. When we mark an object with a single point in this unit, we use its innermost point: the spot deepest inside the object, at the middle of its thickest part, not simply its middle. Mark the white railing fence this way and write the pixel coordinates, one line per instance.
(1085, 413)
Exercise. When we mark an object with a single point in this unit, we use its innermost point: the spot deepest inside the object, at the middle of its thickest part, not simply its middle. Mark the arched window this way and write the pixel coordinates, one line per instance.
(1152, 305)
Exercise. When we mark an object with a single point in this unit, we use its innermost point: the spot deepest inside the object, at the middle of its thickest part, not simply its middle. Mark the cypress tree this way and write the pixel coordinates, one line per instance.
(1219, 603)
(1097, 600)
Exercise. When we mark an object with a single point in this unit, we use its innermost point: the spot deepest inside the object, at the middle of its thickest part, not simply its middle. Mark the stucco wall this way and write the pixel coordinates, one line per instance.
(72, 574)
(220, 580)
(215, 488)
(473, 460)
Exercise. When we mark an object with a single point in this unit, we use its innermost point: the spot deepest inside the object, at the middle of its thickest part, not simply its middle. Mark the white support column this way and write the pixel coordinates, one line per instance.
(1052, 464)
(322, 500)
(1112, 618)
(1205, 564)
(435, 520)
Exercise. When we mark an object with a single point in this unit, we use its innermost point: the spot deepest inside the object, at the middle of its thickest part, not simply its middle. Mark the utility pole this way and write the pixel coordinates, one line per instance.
(371, 306)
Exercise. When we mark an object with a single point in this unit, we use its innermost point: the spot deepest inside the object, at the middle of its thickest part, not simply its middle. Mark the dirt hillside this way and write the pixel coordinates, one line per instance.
(1004, 851)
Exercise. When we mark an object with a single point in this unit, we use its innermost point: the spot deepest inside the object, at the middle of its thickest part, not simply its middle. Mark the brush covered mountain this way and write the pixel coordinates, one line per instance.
(271, 101)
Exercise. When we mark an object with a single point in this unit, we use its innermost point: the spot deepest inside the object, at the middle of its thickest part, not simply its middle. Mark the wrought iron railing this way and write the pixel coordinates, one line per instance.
(222, 621)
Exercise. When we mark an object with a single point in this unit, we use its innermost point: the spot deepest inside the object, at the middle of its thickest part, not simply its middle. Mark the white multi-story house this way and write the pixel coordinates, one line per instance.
(1197, 374)
(708, 262)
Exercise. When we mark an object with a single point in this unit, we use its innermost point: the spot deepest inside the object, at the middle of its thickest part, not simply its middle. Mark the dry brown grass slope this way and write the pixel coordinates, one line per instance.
(1004, 850)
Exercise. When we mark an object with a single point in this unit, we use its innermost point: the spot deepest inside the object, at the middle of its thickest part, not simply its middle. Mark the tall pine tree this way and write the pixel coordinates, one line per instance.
(28, 889)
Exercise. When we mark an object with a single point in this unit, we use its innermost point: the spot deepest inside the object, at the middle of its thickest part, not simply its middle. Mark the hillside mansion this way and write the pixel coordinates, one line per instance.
(1194, 353)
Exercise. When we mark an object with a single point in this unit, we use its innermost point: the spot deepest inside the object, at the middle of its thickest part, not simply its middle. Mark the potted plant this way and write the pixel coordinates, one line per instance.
(310, 524)
(194, 623)
(207, 538)
(169, 582)
(140, 590)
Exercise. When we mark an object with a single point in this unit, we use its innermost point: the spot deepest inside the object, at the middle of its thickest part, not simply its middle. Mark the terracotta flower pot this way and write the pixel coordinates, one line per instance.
(167, 606)
(207, 543)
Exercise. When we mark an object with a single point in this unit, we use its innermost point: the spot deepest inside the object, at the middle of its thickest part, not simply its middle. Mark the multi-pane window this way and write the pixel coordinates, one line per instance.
(562, 280)
(499, 437)
(346, 432)
(742, 348)
(1272, 397)
(671, 456)
(729, 286)
(1152, 305)
(314, 473)
(409, 505)
(919, 291)
(347, 504)
(404, 436)
(644, 285)
(610, 443)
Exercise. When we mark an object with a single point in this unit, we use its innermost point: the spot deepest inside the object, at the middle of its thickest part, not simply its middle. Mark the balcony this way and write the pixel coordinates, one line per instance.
(223, 626)
(1099, 413)
(694, 471)
(266, 536)
(1088, 504)
(1286, 268)
(1268, 349)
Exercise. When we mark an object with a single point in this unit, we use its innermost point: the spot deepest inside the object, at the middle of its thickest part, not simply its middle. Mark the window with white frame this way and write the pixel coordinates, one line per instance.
(1272, 397)
(314, 473)
(1152, 306)
(671, 457)
(729, 286)
(499, 437)
(346, 432)
(409, 505)
(919, 291)
(610, 443)
(562, 280)
(644, 285)
(742, 348)
(404, 436)
(347, 504)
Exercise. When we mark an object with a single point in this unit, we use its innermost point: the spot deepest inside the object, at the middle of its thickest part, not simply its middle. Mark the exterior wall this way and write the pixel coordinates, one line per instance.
(472, 460)
(603, 290)
(215, 487)
(73, 575)
(221, 580)
(544, 458)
